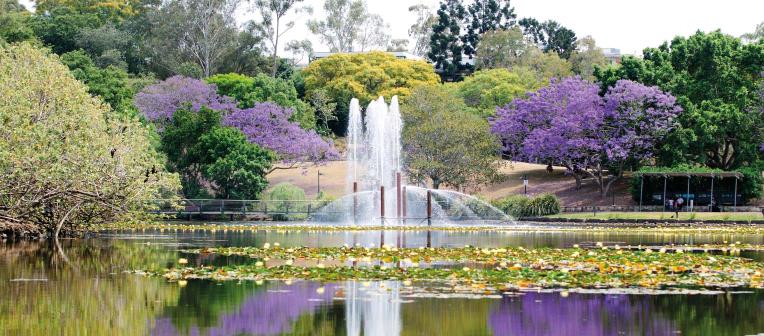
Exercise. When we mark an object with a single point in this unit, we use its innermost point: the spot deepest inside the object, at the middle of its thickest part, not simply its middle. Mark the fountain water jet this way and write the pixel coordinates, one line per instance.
(376, 186)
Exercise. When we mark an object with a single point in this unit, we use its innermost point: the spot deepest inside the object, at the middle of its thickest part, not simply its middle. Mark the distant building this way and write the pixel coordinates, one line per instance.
(613, 55)
(397, 54)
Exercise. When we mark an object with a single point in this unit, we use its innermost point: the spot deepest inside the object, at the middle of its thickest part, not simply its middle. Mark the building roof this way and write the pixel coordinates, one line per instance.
(692, 174)
(397, 54)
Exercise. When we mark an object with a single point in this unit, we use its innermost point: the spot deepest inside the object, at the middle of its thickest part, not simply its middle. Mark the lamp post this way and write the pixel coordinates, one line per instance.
(318, 182)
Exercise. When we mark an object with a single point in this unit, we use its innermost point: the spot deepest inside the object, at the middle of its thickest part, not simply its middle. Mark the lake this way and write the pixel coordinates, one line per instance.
(86, 291)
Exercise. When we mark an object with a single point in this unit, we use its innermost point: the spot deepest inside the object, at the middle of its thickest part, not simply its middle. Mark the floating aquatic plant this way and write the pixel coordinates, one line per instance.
(505, 268)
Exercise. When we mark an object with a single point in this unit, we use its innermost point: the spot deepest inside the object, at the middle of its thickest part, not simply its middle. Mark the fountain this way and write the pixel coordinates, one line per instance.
(377, 189)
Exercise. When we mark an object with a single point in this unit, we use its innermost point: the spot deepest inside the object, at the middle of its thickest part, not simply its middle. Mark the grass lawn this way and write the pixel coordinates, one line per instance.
(727, 216)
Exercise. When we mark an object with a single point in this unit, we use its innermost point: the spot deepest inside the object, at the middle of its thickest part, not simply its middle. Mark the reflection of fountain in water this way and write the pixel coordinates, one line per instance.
(375, 183)
(374, 309)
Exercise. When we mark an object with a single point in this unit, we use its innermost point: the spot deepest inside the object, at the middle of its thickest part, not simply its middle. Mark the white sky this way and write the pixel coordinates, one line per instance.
(628, 25)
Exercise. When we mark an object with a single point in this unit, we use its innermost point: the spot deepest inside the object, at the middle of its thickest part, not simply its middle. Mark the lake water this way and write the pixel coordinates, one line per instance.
(85, 291)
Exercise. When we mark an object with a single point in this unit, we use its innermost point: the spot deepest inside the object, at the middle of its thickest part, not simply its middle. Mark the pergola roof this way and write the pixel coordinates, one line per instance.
(692, 174)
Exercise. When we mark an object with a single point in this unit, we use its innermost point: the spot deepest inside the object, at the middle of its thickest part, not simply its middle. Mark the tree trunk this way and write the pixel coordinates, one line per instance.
(436, 183)
(276, 49)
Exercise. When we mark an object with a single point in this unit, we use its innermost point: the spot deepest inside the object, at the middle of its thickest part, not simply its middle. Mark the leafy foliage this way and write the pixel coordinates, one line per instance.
(519, 206)
(550, 36)
(365, 76)
(110, 83)
(446, 48)
(248, 91)
(349, 26)
(444, 143)
(715, 78)
(265, 124)
(487, 89)
(484, 17)
(67, 161)
(213, 158)
(569, 124)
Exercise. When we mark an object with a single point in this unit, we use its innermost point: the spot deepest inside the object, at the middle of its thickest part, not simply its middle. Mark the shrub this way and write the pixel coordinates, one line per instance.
(543, 205)
(519, 206)
(290, 199)
(514, 206)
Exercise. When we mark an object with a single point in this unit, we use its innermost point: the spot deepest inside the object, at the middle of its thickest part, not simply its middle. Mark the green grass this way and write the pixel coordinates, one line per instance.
(726, 216)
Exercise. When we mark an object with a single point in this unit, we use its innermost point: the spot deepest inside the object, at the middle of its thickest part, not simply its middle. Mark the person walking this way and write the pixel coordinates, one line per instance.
(679, 204)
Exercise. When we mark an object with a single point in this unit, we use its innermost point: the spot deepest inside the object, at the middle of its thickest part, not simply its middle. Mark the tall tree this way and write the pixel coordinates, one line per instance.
(756, 35)
(550, 36)
(501, 49)
(446, 46)
(586, 57)
(272, 13)
(444, 144)
(398, 45)
(483, 17)
(202, 31)
(421, 30)
(300, 49)
(349, 26)
(373, 33)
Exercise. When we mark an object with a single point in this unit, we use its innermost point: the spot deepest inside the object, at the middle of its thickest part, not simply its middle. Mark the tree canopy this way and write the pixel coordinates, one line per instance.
(65, 157)
(569, 124)
(266, 124)
(445, 144)
(365, 76)
(250, 90)
(214, 160)
(715, 78)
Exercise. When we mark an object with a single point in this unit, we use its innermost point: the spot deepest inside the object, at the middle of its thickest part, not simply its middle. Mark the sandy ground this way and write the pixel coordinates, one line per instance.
(333, 182)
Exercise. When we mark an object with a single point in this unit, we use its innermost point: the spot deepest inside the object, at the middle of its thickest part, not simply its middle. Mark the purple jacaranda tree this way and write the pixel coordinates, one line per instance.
(265, 124)
(569, 124)
(158, 102)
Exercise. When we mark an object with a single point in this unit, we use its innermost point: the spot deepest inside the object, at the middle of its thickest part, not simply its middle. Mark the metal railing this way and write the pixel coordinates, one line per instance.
(656, 208)
(234, 207)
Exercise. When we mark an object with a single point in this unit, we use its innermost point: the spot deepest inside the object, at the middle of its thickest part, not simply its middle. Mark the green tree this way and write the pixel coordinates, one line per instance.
(421, 30)
(755, 36)
(214, 160)
(545, 65)
(501, 49)
(550, 36)
(272, 13)
(250, 90)
(446, 47)
(114, 11)
(236, 167)
(714, 77)
(111, 84)
(349, 26)
(487, 89)
(14, 22)
(444, 144)
(365, 76)
(66, 160)
(60, 27)
(198, 31)
(483, 17)
(586, 57)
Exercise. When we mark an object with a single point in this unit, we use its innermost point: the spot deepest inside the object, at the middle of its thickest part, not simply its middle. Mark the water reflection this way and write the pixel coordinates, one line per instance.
(91, 295)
